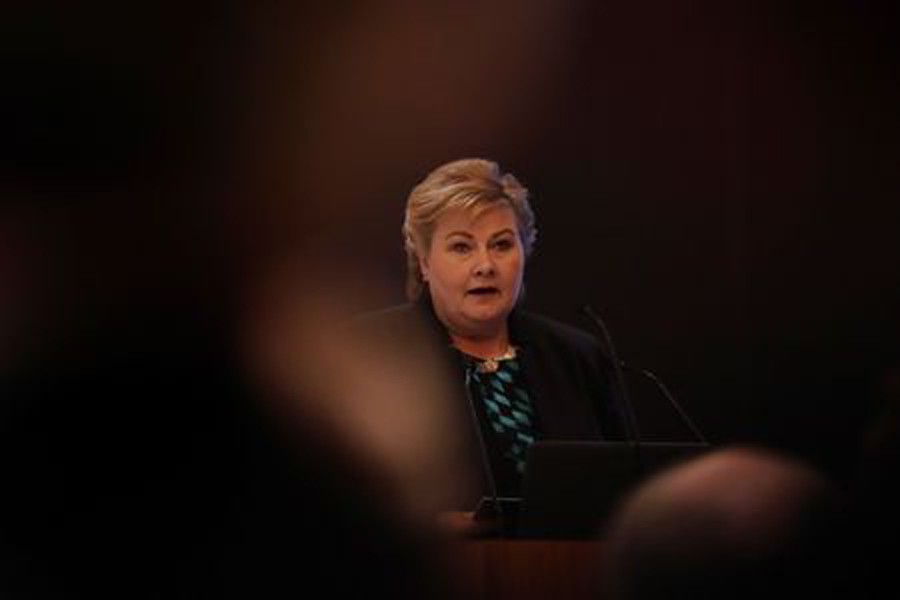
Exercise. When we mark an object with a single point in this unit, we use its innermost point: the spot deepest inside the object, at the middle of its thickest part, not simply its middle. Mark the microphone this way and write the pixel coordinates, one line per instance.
(619, 365)
(632, 432)
(495, 510)
(668, 396)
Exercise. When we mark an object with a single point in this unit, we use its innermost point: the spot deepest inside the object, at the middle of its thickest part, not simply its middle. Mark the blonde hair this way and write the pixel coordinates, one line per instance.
(471, 184)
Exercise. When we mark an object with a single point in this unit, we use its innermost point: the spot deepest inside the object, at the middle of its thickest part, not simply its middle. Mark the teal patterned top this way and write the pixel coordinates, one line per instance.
(508, 419)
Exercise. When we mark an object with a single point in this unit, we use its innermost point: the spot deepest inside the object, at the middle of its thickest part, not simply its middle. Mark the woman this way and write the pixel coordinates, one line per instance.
(468, 232)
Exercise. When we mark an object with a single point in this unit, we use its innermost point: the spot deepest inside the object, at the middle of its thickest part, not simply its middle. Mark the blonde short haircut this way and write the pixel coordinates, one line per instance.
(471, 184)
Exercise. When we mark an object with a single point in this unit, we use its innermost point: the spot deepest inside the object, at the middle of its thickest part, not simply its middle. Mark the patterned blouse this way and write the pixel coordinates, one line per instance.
(509, 423)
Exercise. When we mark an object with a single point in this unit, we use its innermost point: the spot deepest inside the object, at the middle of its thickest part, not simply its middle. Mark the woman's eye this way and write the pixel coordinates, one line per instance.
(459, 247)
(504, 244)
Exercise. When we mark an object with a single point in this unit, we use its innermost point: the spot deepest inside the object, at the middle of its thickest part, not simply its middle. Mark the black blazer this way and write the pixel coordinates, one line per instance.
(564, 369)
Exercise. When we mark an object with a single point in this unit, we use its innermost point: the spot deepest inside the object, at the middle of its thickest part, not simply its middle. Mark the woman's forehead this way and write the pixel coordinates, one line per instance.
(496, 216)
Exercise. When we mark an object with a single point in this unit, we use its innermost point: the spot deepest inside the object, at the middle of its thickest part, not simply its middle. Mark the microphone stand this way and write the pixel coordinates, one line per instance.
(619, 365)
(632, 432)
(665, 392)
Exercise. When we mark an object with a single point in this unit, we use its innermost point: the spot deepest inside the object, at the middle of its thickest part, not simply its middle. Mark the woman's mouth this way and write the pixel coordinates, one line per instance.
(483, 291)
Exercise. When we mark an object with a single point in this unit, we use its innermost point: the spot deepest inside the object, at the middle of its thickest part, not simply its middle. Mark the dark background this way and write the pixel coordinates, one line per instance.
(718, 180)
(178, 183)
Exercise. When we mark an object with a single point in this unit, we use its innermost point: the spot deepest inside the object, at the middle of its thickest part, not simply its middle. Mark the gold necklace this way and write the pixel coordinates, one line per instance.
(490, 365)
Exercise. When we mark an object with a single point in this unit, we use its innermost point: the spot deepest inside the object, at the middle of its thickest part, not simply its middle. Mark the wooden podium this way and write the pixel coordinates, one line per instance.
(515, 569)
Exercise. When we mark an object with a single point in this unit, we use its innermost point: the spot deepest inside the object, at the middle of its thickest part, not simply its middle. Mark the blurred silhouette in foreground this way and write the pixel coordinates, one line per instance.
(145, 449)
(736, 523)
(876, 490)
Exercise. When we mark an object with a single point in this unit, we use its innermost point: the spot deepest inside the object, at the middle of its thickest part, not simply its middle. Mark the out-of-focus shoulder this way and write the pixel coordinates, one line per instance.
(398, 315)
(402, 322)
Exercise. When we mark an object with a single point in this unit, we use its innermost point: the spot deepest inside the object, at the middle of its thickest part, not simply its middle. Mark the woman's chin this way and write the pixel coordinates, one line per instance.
(487, 321)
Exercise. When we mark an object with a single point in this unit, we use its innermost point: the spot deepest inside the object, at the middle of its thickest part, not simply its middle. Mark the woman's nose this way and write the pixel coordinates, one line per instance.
(484, 265)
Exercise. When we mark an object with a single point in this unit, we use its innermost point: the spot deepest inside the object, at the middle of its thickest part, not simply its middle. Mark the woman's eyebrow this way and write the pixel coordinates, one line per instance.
(462, 233)
(502, 232)
(466, 234)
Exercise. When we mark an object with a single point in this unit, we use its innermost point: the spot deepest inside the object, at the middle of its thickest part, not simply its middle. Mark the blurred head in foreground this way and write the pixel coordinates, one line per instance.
(144, 450)
(736, 523)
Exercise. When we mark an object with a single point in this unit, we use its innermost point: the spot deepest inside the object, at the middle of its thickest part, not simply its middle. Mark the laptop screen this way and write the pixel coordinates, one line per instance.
(571, 488)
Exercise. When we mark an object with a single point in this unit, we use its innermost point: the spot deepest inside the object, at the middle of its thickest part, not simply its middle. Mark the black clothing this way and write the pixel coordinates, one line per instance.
(563, 369)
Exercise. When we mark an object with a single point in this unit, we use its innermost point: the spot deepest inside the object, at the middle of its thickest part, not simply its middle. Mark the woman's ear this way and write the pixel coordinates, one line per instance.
(423, 267)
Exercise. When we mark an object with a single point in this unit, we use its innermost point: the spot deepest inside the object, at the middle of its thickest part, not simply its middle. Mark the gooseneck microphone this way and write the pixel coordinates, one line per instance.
(668, 396)
(632, 433)
(619, 366)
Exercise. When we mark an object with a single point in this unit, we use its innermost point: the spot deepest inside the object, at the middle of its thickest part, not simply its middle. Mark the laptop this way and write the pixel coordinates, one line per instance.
(570, 489)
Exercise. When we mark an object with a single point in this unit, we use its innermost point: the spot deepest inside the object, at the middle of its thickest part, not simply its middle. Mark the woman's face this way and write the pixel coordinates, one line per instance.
(474, 269)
